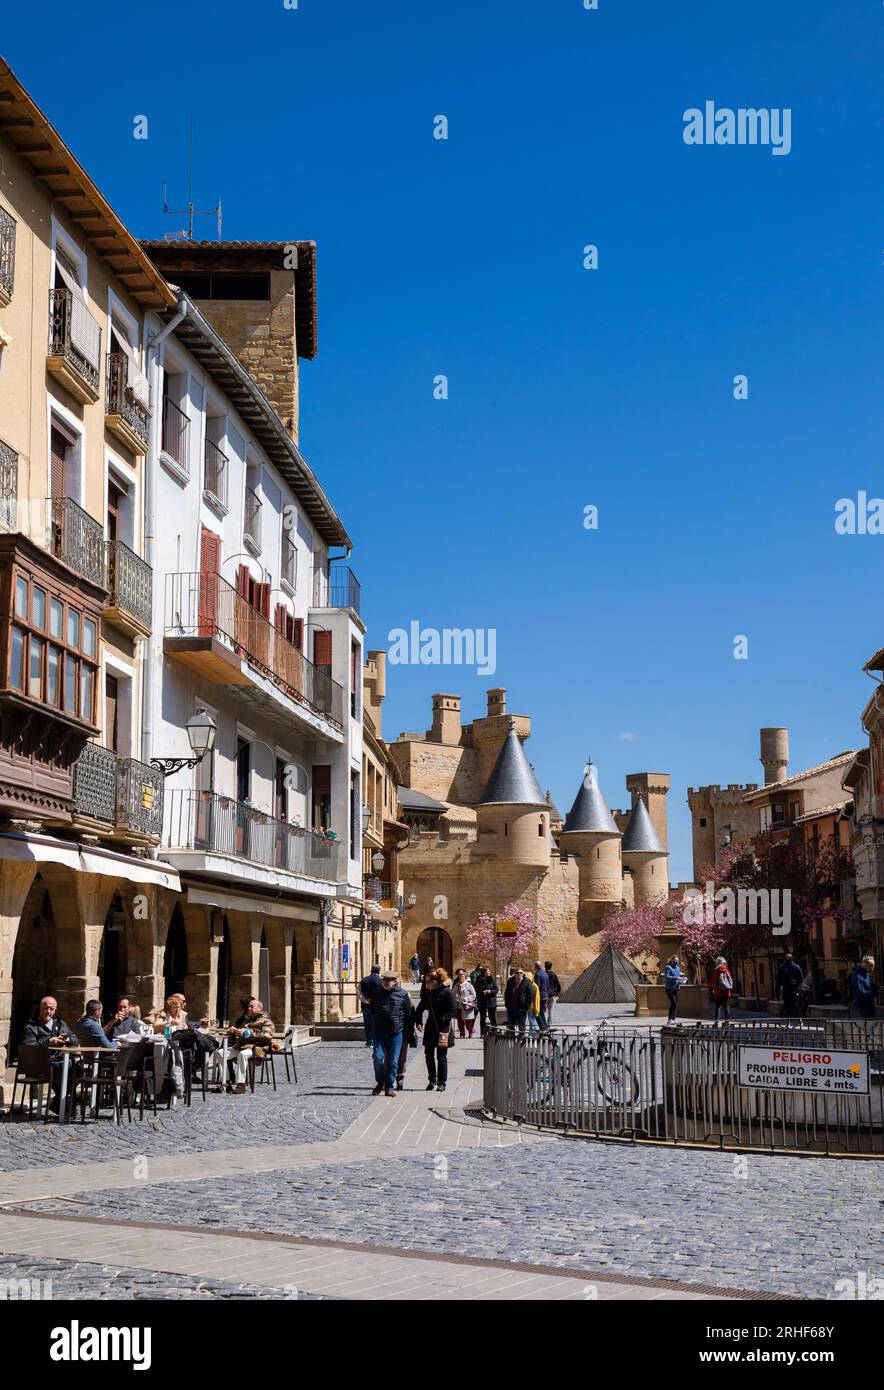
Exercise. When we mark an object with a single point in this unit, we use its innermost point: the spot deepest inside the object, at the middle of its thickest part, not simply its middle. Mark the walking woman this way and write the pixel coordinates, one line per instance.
(674, 982)
(464, 1003)
(722, 987)
(437, 1002)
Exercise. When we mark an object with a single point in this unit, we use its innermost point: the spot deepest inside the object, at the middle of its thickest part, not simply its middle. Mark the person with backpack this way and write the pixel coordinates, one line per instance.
(721, 987)
(789, 980)
(862, 989)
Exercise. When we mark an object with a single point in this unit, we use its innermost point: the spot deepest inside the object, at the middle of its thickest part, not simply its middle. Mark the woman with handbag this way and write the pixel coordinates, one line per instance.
(464, 1003)
(438, 1004)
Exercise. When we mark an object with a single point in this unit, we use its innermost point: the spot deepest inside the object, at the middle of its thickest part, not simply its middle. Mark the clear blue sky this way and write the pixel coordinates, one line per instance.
(567, 387)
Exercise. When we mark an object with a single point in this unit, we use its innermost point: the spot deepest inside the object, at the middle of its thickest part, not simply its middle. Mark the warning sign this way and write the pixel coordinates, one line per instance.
(788, 1068)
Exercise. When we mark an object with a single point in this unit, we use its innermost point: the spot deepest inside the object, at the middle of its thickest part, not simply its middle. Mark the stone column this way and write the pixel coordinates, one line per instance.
(15, 884)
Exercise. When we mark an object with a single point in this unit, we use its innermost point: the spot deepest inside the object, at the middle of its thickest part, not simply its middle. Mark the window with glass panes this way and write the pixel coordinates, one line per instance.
(53, 648)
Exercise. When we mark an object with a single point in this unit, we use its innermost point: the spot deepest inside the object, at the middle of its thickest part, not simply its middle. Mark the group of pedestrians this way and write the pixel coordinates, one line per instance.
(529, 998)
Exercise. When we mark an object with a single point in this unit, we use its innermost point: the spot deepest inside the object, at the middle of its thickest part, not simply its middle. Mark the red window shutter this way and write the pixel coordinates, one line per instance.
(242, 580)
(264, 600)
(280, 617)
(322, 781)
(322, 649)
(298, 637)
(210, 550)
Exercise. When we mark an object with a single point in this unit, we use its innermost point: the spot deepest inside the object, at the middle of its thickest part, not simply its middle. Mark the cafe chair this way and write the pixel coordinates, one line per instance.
(34, 1071)
(288, 1054)
(111, 1082)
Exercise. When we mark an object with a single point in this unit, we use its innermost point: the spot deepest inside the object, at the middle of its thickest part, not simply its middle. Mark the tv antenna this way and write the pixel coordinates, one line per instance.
(190, 212)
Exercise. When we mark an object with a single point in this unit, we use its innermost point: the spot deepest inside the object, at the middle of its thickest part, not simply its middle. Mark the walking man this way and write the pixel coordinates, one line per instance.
(368, 986)
(555, 988)
(789, 980)
(486, 994)
(390, 1012)
(414, 966)
(541, 979)
(862, 990)
(518, 998)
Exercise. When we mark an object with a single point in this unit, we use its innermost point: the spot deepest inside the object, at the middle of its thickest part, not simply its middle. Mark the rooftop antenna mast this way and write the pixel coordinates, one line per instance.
(190, 212)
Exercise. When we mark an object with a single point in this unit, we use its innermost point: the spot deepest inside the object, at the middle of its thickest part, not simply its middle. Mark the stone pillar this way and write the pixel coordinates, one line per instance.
(15, 884)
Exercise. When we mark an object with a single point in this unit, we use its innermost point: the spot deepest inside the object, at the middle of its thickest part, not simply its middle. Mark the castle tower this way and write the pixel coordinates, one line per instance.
(645, 856)
(774, 754)
(591, 834)
(652, 788)
(513, 815)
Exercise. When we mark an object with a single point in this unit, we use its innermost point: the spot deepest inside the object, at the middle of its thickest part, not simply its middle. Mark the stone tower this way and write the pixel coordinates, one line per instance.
(774, 754)
(652, 788)
(591, 834)
(646, 857)
(513, 814)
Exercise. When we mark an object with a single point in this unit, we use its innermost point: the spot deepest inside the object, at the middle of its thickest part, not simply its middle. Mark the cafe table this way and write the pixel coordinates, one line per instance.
(67, 1053)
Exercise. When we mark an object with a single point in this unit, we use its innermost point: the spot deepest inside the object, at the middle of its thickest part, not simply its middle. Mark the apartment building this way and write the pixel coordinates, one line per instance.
(384, 833)
(80, 812)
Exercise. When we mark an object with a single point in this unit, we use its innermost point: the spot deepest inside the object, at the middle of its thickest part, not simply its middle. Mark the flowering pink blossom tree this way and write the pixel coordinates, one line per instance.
(480, 937)
(632, 929)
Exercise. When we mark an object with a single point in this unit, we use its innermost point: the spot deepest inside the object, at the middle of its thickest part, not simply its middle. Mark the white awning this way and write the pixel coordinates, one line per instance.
(45, 849)
(85, 331)
(136, 380)
(241, 902)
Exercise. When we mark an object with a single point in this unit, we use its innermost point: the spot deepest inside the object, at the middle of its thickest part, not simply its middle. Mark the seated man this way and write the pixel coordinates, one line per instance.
(252, 1028)
(124, 1022)
(48, 1030)
(89, 1030)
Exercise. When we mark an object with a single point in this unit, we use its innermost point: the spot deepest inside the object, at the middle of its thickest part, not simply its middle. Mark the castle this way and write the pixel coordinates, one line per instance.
(482, 834)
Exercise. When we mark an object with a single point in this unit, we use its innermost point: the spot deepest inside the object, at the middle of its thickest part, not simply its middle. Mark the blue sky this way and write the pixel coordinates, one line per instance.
(567, 387)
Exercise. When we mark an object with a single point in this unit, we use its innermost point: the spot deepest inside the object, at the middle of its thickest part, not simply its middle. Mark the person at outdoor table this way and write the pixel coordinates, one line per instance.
(89, 1030)
(251, 1029)
(48, 1030)
(125, 1022)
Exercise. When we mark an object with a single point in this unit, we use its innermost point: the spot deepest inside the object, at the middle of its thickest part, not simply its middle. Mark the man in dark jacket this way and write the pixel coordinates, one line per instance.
(789, 977)
(390, 1011)
(517, 999)
(555, 988)
(861, 989)
(541, 979)
(47, 1029)
(486, 998)
(368, 986)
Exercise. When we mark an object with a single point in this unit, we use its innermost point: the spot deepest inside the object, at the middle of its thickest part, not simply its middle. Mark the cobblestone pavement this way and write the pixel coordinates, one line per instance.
(78, 1279)
(417, 1175)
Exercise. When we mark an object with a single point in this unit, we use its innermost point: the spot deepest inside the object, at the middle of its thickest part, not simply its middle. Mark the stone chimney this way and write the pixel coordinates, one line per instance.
(496, 702)
(374, 684)
(775, 755)
(446, 720)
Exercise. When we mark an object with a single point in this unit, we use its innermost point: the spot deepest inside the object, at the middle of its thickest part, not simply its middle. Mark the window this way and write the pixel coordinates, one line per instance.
(57, 668)
(702, 822)
(765, 817)
(225, 285)
(354, 680)
(321, 801)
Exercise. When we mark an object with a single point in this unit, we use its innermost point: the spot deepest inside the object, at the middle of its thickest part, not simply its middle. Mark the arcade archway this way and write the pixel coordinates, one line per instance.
(434, 943)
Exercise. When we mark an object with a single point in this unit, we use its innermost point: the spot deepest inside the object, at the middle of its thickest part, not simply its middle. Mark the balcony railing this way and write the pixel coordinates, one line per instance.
(7, 253)
(129, 582)
(336, 587)
(8, 487)
(75, 336)
(120, 398)
(289, 560)
(215, 472)
(205, 605)
(122, 792)
(77, 539)
(252, 521)
(175, 433)
(220, 825)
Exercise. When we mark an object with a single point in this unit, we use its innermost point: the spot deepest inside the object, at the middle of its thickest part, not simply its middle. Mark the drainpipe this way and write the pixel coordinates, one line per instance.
(151, 465)
(324, 915)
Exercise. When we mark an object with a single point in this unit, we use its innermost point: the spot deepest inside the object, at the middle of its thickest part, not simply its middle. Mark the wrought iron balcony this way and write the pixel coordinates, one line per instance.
(126, 416)
(289, 560)
(204, 606)
(379, 890)
(219, 825)
(7, 255)
(336, 587)
(130, 589)
(74, 346)
(8, 487)
(215, 472)
(175, 432)
(120, 792)
(77, 539)
(252, 520)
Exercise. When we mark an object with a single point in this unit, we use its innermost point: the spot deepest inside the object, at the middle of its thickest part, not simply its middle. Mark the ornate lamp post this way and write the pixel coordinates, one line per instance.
(201, 730)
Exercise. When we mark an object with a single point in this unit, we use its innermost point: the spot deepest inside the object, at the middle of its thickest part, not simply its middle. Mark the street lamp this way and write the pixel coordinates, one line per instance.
(377, 861)
(201, 731)
(411, 899)
(366, 817)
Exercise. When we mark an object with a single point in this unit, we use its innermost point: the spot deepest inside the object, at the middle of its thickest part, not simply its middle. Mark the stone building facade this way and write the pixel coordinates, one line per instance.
(483, 834)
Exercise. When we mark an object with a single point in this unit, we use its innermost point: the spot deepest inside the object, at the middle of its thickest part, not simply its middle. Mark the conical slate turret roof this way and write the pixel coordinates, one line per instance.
(590, 810)
(512, 781)
(640, 835)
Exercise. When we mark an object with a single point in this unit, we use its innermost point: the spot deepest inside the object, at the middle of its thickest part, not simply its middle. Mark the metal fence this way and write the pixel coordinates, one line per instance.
(682, 1086)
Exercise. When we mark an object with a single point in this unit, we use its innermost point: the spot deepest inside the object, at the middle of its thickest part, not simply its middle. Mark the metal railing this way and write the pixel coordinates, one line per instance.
(8, 487)
(77, 538)
(336, 587)
(120, 398)
(215, 472)
(682, 1086)
(80, 349)
(95, 783)
(122, 792)
(252, 517)
(129, 582)
(205, 605)
(289, 560)
(175, 433)
(219, 825)
(7, 251)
